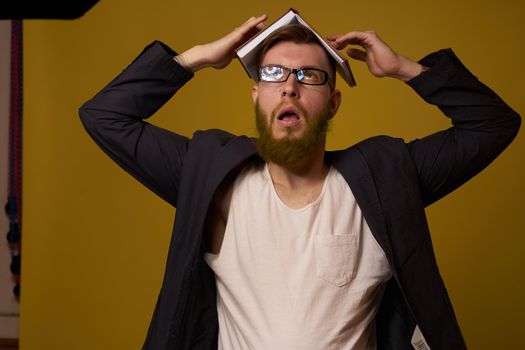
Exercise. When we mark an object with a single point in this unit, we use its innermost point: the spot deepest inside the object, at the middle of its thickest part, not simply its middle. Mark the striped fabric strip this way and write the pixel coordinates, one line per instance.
(14, 204)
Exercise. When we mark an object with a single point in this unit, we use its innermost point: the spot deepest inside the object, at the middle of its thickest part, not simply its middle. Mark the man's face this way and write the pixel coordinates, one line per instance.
(290, 110)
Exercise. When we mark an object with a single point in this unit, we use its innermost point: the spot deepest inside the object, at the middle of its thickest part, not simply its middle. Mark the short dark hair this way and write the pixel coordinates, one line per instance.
(298, 34)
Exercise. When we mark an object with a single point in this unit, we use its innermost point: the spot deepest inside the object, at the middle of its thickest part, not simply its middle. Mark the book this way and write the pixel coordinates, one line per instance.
(249, 52)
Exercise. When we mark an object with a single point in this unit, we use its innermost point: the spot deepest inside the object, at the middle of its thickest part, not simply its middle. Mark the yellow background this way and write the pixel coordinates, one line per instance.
(95, 241)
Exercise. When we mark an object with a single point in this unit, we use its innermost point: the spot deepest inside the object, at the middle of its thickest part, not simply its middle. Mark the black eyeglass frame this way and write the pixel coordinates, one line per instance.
(294, 71)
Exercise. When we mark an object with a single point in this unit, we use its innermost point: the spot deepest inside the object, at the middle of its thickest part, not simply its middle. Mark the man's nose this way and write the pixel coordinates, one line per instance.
(290, 87)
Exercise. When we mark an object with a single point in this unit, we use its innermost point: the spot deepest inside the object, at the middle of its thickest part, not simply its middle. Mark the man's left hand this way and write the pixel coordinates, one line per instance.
(382, 61)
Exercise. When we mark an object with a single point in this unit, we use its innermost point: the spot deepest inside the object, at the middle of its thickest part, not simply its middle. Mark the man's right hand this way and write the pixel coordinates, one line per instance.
(219, 53)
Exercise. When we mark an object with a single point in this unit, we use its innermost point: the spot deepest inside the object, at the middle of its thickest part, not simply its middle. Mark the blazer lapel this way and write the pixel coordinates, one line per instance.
(351, 164)
(232, 156)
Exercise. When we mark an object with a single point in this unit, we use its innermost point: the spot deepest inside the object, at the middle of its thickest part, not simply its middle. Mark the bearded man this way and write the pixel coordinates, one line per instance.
(277, 243)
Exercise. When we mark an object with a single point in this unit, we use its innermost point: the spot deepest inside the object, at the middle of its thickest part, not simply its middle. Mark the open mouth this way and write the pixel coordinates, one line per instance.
(288, 116)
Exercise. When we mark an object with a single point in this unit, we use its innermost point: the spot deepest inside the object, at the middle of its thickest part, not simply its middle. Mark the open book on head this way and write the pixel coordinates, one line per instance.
(249, 52)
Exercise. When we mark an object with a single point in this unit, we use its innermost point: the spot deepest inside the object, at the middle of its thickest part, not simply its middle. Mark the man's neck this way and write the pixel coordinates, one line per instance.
(309, 172)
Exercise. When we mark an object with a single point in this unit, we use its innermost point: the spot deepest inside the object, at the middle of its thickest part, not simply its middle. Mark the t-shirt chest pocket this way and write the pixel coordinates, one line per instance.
(336, 258)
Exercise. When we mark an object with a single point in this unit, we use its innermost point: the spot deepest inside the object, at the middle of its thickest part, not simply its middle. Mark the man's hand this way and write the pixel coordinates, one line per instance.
(382, 61)
(219, 53)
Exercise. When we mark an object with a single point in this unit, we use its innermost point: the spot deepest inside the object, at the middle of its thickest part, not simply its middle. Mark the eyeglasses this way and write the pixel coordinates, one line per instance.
(278, 74)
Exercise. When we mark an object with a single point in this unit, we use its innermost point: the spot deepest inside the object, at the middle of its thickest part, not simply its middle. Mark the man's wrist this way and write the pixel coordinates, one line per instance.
(191, 59)
(182, 62)
(409, 69)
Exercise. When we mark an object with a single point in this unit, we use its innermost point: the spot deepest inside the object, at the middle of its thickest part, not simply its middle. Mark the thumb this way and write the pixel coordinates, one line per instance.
(357, 54)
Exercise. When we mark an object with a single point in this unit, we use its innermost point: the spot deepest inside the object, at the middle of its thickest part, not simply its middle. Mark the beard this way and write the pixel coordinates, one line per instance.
(290, 150)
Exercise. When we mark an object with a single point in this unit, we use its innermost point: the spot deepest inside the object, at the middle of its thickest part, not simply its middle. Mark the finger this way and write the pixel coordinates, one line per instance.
(251, 27)
(253, 22)
(332, 40)
(333, 37)
(260, 26)
(253, 18)
(357, 54)
(353, 38)
(246, 31)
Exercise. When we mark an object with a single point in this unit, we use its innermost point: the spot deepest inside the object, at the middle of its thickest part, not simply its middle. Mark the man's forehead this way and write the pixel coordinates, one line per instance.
(289, 52)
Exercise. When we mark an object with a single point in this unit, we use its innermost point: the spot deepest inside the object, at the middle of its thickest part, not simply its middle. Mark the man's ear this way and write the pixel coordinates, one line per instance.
(255, 93)
(335, 102)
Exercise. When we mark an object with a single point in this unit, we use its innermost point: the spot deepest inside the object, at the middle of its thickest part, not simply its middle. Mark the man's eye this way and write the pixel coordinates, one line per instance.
(276, 71)
(308, 75)
(271, 73)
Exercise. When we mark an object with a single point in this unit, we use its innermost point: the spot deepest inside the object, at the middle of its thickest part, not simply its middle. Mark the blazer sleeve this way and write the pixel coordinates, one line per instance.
(482, 126)
(114, 118)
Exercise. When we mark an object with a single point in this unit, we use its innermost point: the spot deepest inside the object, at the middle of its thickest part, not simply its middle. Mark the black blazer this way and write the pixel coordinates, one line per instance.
(392, 181)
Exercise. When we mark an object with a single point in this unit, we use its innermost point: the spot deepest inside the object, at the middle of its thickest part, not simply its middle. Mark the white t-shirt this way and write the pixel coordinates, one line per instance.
(309, 278)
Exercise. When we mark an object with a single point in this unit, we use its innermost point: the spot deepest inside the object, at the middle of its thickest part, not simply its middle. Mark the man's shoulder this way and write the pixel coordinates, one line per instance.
(216, 136)
(212, 133)
(381, 140)
(382, 144)
(379, 153)
(388, 159)
(207, 144)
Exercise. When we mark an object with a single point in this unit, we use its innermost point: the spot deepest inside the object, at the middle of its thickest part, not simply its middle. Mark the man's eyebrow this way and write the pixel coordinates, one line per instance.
(300, 67)
(312, 67)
